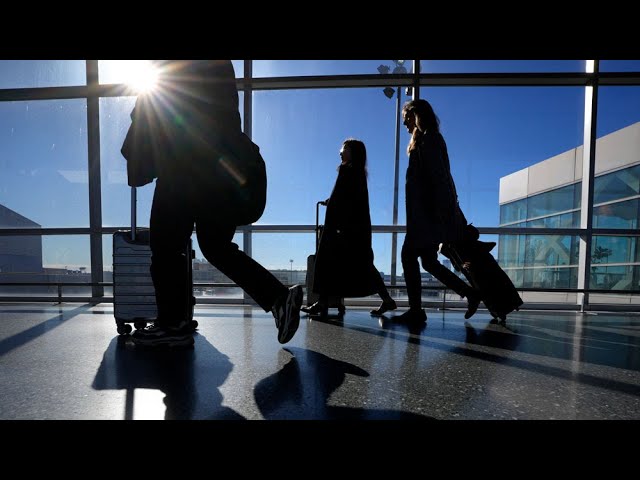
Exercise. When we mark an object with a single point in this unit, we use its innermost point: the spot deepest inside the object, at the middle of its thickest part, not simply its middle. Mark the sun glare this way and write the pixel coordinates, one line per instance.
(144, 76)
(140, 75)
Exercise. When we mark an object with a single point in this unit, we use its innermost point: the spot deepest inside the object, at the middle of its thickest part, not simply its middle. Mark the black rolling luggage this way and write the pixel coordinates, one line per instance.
(334, 302)
(134, 299)
(472, 257)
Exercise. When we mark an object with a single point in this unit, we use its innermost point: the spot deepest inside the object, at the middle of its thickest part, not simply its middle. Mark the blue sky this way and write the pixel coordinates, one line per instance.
(490, 131)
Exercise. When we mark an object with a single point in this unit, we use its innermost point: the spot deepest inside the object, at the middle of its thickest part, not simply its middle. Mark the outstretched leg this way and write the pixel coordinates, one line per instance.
(430, 263)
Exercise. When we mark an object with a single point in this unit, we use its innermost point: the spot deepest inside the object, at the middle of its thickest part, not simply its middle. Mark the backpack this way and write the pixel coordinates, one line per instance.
(243, 172)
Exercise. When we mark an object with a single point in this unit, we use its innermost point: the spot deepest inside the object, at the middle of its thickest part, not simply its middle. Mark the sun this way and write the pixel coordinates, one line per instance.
(139, 75)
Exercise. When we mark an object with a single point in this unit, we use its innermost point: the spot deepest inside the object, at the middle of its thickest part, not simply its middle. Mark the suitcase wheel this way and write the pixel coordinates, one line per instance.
(124, 329)
(342, 309)
(193, 325)
(140, 325)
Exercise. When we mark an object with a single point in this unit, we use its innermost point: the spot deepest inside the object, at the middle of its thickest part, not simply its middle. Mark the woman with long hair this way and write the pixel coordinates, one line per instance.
(433, 213)
(344, 261)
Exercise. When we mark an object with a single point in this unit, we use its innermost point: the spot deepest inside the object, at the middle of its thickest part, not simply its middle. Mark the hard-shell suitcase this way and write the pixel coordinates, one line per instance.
(134, 299)
(472, 257)
(334, 302)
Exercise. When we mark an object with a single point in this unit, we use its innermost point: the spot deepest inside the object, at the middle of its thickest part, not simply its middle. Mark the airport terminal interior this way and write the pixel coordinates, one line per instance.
(545, 155)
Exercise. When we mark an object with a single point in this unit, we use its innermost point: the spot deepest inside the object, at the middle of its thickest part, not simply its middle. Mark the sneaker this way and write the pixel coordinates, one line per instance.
(154, 335)
(149, 329)
(287, 313)
(473, 300)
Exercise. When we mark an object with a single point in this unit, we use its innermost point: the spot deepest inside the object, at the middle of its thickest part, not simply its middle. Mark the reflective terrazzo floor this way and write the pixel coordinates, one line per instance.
(67, 362)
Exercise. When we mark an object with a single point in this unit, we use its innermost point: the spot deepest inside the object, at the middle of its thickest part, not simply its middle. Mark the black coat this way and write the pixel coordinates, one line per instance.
(344, 262)
(186, 127)
(196, 114)
(433, 213)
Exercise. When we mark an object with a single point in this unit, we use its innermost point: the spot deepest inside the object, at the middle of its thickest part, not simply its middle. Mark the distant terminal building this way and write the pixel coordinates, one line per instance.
(19, 253)
(548, 194)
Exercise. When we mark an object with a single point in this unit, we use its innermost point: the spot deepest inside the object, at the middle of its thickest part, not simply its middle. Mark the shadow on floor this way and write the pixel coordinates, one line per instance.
(303, 387)
(41, 328)
(494, 335)
(189, 377)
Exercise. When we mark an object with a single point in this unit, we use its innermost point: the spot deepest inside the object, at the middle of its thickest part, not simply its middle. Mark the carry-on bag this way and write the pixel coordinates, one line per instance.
(472, 257)
(134, 299)
(334, 301)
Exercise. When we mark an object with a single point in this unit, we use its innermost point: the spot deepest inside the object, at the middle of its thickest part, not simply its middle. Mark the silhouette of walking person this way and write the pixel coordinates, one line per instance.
(197, 119)
(344, 261)
(433, 213)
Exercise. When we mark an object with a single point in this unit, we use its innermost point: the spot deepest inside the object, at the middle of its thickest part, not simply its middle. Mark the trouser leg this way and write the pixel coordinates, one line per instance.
(411, 268)
(430, 263)
(171, 227)
(215, 240)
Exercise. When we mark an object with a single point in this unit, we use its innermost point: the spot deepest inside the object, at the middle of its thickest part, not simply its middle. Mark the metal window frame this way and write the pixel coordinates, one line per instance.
(94, 91)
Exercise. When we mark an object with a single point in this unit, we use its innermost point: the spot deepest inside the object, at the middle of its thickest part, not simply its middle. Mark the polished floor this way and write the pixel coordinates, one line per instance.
(67, 362)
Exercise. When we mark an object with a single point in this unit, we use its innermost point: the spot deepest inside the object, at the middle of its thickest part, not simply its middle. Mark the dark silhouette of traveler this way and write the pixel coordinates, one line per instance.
(433, 213)
(344, 261)
(197, 119)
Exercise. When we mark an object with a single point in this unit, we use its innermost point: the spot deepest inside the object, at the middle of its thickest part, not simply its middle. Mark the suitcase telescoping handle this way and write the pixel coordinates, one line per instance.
(133, 213)
(321, 202)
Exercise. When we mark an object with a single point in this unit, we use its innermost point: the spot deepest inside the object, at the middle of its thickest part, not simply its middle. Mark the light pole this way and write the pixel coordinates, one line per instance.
(389, 93)
(291, 274)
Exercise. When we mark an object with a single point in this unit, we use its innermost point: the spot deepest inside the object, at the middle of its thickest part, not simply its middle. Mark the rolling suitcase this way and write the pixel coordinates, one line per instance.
(134, 299)
(473, 258)
(334, 302)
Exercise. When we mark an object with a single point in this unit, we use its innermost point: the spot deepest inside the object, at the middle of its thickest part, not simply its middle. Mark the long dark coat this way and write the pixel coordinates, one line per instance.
(344, 262)
(433, 213)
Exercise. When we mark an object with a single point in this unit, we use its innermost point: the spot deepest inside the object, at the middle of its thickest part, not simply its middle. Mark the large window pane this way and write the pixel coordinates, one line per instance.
(42, 73)
(48, 258)
(513, 212)
(540, 261)
(284, 254)
(291, 68)
(615, 277)
(614, 249)
(502, 66)
(620, 65)
(43, 160)
(618, 107)
(300, 133)
(493, 134)
(547, 203)
(617, 215)
(204, 272)
(613, 186)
